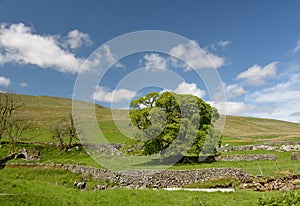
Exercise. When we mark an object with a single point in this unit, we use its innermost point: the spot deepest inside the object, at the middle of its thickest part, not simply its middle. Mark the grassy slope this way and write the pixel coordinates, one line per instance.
(45, 111)
(238, 130)
(251, 130)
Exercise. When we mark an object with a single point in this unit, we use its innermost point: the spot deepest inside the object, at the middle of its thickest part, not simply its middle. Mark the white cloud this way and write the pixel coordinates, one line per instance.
(297, 47)
(23, 84)
(4, 81)
(257, 75)
(234, 90)
(282, 92)
(19, 44)
(103, 55)
(279, 101)
(223, 43)
(194, 57)
(102, 94)
(77, 39)
(231, 108)
(155, 62)
(189, 88)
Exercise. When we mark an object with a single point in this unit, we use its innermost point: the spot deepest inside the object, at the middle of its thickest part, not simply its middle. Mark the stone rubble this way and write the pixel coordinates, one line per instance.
(262, 184)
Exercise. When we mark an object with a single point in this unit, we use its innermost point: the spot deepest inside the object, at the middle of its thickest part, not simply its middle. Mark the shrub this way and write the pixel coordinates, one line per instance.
(288, 199)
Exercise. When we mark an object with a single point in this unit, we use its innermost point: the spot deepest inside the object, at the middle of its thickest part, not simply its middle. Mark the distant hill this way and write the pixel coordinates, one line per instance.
(44, 110)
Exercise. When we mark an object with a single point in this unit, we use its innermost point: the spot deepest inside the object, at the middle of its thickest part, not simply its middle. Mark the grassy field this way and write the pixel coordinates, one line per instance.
(245, 130)
(55, 187)
(238, 131)
(36, 186)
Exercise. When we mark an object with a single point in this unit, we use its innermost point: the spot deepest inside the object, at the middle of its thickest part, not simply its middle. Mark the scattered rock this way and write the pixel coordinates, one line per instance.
(295, 156)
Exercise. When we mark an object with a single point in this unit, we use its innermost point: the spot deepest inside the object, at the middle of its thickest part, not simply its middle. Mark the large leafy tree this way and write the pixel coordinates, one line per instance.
(174, 124)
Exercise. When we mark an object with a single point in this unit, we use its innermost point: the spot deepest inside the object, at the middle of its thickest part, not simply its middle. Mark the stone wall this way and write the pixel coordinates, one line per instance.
(147, 178)
(247, 157)
(267, 147)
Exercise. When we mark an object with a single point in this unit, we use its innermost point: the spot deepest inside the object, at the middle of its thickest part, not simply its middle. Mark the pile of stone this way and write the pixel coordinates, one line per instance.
(268, 184)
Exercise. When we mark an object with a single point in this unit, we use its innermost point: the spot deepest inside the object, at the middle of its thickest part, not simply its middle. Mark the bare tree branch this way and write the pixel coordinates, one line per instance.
(8, 105)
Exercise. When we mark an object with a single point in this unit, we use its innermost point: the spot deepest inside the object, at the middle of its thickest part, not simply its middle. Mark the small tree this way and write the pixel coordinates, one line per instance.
(8, 105)
(178, 124)
(15, 128)
(64, 133)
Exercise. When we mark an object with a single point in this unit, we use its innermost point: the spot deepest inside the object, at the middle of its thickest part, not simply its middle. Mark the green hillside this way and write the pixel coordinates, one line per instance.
(44, 110)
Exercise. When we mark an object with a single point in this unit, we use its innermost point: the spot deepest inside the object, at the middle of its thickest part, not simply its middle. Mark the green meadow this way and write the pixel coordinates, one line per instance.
(37, 186)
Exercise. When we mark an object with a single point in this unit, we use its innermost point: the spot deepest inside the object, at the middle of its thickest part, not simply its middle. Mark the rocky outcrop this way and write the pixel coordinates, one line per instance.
(246, 157)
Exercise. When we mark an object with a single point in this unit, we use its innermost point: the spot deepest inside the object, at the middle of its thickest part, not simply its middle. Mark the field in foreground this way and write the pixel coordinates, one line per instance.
(34, 186)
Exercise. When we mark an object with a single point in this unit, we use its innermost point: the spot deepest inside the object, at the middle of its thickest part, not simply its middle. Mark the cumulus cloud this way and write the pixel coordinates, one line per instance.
(155, 62)
(4, 81)
(76, 39)
(257, 75)
(102, 94)
(23, 84)
(189, 88)
(231, 108)
(283, 92)
(20, 44)
(279, 101)
(234, 90)
(194, 56)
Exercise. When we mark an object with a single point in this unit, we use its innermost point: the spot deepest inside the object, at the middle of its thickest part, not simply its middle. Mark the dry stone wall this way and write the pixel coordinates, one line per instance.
(146, 178)
(246, 157)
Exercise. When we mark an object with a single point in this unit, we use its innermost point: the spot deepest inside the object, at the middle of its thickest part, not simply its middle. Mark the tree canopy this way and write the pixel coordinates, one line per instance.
(173, 124)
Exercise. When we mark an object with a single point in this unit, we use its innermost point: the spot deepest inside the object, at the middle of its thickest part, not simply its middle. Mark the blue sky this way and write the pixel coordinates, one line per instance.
(255, 47)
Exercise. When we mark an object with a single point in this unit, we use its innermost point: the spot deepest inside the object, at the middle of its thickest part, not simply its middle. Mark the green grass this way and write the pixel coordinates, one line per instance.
(269, 168)
(245, 130)
(35, 186)
(50, 154)
(44, 111)
(53, 155)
